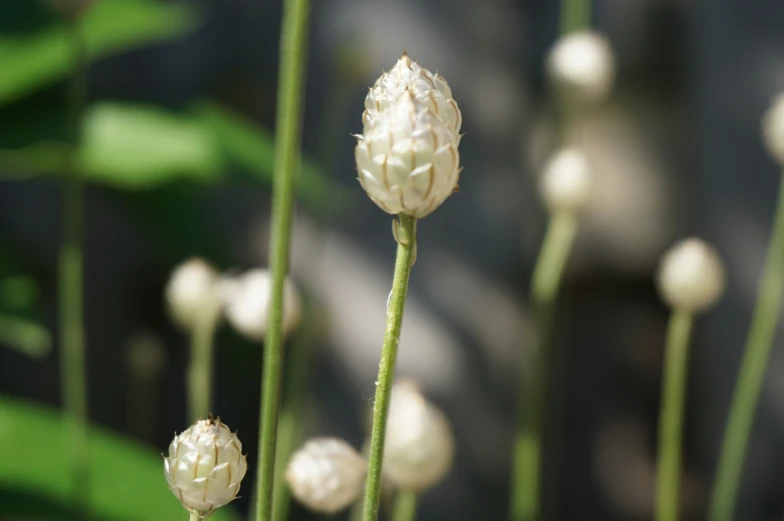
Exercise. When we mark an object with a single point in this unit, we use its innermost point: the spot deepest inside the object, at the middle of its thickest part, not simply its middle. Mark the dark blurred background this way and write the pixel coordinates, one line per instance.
(678, 151)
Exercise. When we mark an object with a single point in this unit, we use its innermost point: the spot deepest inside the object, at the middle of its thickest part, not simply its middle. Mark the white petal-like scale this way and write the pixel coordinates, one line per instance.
(205, 466)
(410, 123)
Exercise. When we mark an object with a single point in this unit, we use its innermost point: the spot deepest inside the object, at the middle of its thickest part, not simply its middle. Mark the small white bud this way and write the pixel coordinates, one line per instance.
(565, 184)
(419, 444)
(691, 276)
(407, 158)
(773, 129)
(247, 301)
(191, 286)
(205, 467)
(581, 67)
(326, 475)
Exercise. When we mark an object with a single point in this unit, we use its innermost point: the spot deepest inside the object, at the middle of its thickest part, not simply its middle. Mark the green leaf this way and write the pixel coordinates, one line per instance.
(133, 146)
(25, 336)
(31, 61)
(252, 148)
(126, 478)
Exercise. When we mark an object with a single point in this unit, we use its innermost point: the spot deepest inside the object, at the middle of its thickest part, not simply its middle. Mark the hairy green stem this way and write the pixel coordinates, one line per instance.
(405, 505)
(575, 15)
(405, 235)
(200, 369)
(676, 357)
(291, 426)
(548, 273)
(751, 374)
(70, 273)
(293, 50)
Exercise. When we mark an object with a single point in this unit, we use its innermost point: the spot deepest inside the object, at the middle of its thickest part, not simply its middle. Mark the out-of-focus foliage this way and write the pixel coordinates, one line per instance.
(31, 60)
(126, 479)
(19, 312)
(137, 146)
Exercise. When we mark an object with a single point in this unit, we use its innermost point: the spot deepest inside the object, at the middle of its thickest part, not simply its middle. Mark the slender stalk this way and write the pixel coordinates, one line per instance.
(71, 310)
(575, 15)
(293, 47)
(194, 517)
(291, 426)
(548, 273)
(200, 370)
(405, 505)
(406, 251)
(751, 374)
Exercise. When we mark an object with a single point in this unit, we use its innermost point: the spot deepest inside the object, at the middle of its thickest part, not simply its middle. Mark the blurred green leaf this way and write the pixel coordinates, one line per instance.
(127, 482)
(252, 148)
(18, 292)
(27, 337)
(137, 146)
(34, 60)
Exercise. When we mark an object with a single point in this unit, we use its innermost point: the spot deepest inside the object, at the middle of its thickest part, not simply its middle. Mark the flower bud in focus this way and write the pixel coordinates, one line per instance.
(247, 301)
(581, 67)
(407, 158)
(691, 276)
(419, 444)
(565, 184)
(205, 467)
(191, 287)
(326, 475)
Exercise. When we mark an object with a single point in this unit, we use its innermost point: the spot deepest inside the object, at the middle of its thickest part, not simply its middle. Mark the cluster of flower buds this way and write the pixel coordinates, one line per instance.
(691, 276)
(195, 287)
(205, 467)
(407, 157)
(326, 475)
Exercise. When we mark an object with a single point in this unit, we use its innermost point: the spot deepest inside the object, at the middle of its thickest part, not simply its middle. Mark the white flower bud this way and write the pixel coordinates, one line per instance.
(419, 444)
(205, 466)
(407, 158)
(326, 475)
(773, 129)
(565, 184)
(691, 276)
(431, 90)
(247, 301)
(581, 67)
(191, 286)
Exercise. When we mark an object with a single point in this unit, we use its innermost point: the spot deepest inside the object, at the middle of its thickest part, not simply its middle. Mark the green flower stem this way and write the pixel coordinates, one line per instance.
(575, 15)
(71, 310)
(194, 517)
(291, 426)
(405, 505)
(200, 370)
(293, 47)
(751, 374)
(526, 471)
(405, 234)
(676, 359)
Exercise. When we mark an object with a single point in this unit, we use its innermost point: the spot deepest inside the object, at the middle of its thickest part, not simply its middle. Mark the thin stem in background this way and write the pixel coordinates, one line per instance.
(291, 426)
(70, 280)
(676, 357)
(526, 470)
(406, 248)
(751, 374)
(405, 505)
(293, 47)
(575, 15)
(200, 369)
